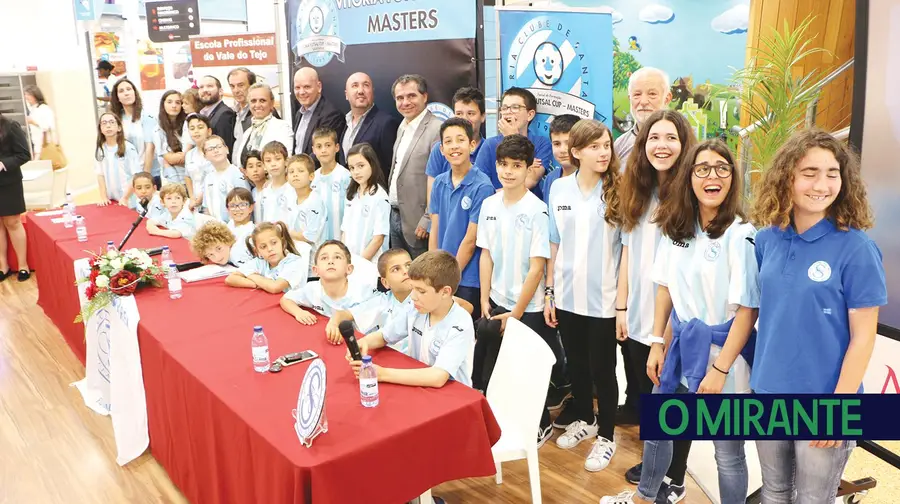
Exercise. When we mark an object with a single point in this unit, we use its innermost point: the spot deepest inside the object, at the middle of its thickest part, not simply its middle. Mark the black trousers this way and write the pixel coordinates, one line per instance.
(590, 345)
(473, 296)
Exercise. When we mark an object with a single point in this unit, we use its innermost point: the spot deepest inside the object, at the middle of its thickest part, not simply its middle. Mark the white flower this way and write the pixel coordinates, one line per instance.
(102, 281)
(117, 263)
(112, 254)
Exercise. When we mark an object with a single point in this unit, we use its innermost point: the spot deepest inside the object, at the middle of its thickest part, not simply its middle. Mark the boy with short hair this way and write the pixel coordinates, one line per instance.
(145, 191)
(514, 235)
(196, 166)
(307, 222)
(255, 174)
(221, 180)
(439, 330)
(456, 199)
(559, 141)
(177, 221)
(518, 107)
(468, 104)
(277, 196)
(240, 208)
(335, 290)
(331, 180)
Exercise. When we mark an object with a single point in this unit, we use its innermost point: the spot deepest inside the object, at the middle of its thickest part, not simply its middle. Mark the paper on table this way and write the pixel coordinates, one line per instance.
(206, 272)
(49, 213)
(58, 220)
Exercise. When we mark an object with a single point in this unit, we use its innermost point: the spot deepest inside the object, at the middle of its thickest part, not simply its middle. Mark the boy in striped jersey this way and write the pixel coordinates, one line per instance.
(514, 236)
(331, 181)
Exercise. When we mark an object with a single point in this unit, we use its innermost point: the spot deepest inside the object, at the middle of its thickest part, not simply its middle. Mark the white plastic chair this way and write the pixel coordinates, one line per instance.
(200, 219)
(58, 193)
(516, 393)
(37, 182)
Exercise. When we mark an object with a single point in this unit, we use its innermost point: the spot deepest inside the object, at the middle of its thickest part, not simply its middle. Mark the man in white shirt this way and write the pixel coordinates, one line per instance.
(407, 182)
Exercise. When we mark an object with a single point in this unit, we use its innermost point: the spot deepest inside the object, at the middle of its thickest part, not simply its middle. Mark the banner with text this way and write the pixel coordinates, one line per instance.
(217, 55)
(563, 57)
(433, 38)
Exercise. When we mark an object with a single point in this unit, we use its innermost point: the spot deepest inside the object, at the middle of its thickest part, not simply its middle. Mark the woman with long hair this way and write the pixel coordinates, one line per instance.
(654, 162)
(167, 141)
(41, 119)
(125, 102)
(580, 294)
(822, 282)
(14, 152)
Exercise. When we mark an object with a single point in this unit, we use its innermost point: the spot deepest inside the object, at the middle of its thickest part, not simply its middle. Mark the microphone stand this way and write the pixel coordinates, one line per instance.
(134, 226)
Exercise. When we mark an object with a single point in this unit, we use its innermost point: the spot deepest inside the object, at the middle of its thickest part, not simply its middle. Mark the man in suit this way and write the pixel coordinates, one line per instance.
(239, 80)
(315, 112)
(221, 117)
(366, 123)
(407, 186)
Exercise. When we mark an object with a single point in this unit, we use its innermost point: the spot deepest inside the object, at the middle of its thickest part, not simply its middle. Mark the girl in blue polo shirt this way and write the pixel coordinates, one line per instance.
(708, 293)
(580, 293)
(821, 282)
(653, 162)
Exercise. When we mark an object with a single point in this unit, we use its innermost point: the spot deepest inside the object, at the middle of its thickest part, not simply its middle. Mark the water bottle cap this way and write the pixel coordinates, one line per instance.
(257, 328)
(367, 359)
(173, 268)
(165, 247)
(110, 242)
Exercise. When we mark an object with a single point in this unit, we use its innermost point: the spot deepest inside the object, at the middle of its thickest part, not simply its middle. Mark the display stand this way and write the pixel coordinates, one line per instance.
(310, 418)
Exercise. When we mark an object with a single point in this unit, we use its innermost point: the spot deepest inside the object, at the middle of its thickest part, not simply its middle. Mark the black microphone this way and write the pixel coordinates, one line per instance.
(188, 266)
(346, 328)
(134, 226)
(144, 203)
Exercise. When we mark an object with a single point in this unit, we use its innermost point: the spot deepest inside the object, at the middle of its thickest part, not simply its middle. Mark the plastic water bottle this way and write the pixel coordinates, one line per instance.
(368, 383)
(80, 229)
(110, 247)
(69, 211)
(70, 201)
(165, 260)
(174, 283)
(259, 344)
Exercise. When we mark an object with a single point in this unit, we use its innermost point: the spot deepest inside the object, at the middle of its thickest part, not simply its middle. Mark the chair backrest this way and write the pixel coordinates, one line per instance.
(518, 388)
(37, 184)
(304, 250)
(58, 195)
(200, 219)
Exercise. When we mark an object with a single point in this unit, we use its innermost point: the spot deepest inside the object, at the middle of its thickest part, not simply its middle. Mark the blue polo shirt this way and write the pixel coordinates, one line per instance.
(438, 164)
(487, 158)
(457, 207)
(808, 282)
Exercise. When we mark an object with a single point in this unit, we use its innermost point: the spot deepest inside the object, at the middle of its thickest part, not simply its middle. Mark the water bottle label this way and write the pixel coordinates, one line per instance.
(261, 354)
(368, 387)
(174, 284)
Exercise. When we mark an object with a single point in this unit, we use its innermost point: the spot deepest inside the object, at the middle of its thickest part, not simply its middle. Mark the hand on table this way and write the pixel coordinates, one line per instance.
(103, 202)
(333, 333)
(357, 365)
(306, 318)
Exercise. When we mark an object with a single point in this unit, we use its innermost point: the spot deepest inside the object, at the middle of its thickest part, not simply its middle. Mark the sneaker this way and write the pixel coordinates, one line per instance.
(544, 434)
(627, 415)
(600, 455)
(623, 498)
(557, 397)
(633, 475)
(565, 418)
(575, 433)
(671, 494)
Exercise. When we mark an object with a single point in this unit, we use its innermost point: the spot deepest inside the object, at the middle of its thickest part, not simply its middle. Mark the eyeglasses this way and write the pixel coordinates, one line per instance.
(703, 170)
(512, 108)
(213, 148)
(108, 122)
(239, 206)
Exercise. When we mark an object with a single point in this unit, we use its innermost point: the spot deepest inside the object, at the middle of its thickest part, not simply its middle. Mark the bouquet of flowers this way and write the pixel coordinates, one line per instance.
(117, 274)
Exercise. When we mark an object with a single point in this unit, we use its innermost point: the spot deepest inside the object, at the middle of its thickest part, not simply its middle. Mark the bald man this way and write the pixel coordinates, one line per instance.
(366, 123)
(315, 112)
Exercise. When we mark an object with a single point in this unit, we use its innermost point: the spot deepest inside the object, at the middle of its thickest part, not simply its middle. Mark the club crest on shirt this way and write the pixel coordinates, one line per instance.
(335, 187)
(466, 203)
(820, 271)
(712, 251)
(365, 210)
(522, 222)
(435, 346)
(601, 209)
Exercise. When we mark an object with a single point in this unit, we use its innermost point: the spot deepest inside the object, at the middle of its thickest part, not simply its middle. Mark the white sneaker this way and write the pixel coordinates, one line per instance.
(623, 498)
(601, 453)
(575, 433)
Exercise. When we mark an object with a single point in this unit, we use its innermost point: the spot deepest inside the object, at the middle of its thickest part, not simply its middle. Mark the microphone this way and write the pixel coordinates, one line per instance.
(346, 329)
(134, 226)
(144, 203)
(188, 266)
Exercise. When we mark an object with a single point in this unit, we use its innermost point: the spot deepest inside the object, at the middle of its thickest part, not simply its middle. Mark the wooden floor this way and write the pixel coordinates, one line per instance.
(55, 450)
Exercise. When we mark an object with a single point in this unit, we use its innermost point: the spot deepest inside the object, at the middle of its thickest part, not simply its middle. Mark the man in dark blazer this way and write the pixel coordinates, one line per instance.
(315, 112)
(366, 123)
(407, 182)
(221, 117)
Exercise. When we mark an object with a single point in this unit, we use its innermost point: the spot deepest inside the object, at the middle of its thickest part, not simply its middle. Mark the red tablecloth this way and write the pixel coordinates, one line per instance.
(225, 433)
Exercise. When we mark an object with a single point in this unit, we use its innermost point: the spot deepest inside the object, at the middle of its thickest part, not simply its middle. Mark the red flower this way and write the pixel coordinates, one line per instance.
(90, 291)
(94, 272)
(123, 283)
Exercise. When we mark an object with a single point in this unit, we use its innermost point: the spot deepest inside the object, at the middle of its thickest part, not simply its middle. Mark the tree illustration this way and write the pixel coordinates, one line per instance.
(624, 64)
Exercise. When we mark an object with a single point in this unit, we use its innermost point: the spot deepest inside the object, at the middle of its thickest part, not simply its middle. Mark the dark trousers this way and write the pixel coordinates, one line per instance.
(473, 296)
(590, 345)
(487, 347)
(398, 241)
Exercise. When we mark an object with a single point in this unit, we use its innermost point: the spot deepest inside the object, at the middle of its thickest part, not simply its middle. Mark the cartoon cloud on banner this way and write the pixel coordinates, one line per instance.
(564, 58)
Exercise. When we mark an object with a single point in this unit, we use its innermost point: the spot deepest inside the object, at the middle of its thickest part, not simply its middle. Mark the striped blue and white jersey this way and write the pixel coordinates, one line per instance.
(365, 217)
(332, 188)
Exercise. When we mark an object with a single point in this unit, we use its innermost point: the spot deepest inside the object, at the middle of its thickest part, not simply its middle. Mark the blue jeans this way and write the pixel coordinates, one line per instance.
(794, 468)
(730, 462)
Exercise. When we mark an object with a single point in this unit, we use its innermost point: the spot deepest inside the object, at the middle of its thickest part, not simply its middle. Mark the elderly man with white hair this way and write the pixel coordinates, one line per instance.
(315, 111)
(649, 90)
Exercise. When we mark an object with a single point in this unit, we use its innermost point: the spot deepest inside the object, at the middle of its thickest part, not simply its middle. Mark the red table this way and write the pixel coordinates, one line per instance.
(225, 433)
